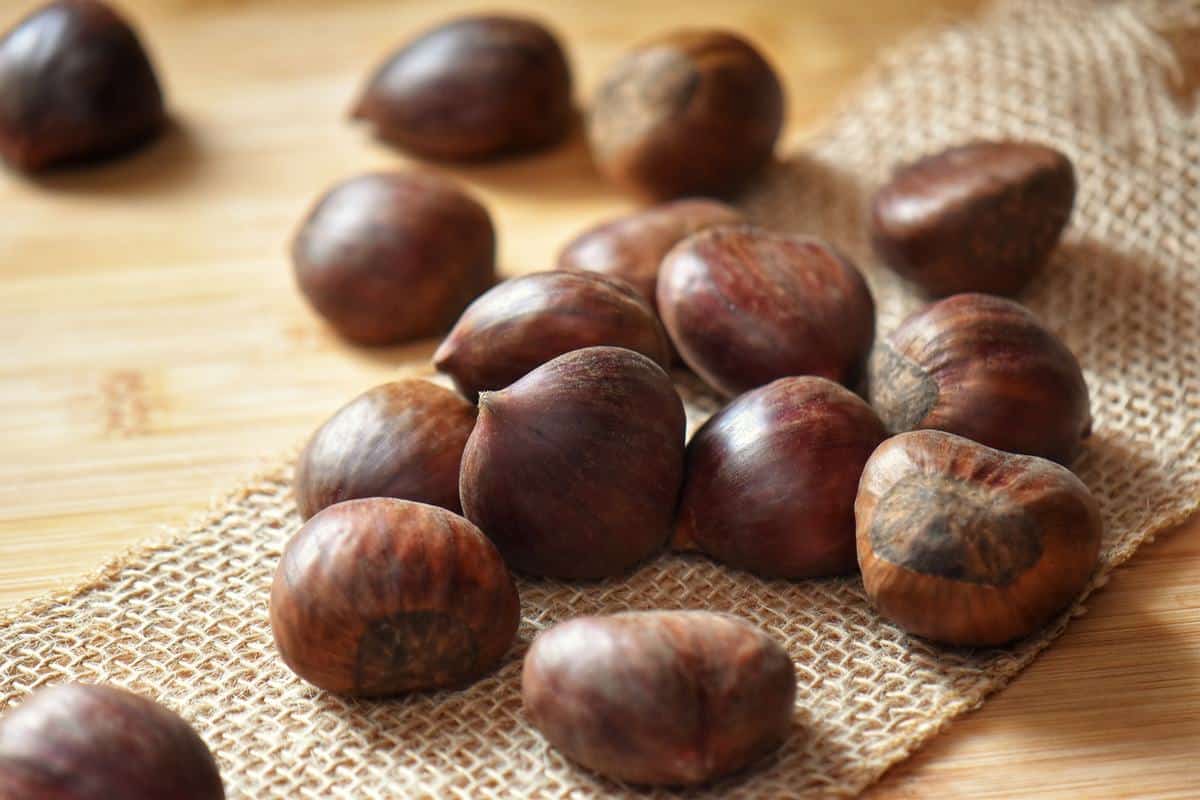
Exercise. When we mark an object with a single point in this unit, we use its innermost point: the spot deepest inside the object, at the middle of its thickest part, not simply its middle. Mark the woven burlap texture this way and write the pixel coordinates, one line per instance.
(185, 620)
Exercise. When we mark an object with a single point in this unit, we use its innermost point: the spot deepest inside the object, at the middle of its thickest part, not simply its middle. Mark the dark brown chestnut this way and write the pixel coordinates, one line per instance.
(574, 470)
(967, 545)
(633, 246)
(985, 368)
(745, 306)
(390, 257)
(524, 322)
(380, 596)
(79, 741)
(75, 84)
(770, 479)
(474, 88)
(660, 697)
(403, 439)
(694, 112)
(983, 217)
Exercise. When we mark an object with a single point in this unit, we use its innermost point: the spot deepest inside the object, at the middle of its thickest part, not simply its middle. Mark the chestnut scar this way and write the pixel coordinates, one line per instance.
(901, 391)
(399, 651)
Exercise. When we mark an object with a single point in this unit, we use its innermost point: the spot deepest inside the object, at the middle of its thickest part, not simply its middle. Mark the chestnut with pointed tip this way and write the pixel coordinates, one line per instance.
(660, 697)
(967, 545)
(524, 322)
(985, 368)
(770, 479)
(75, 84)
(573, 471)
(77, 741)
(380, 596)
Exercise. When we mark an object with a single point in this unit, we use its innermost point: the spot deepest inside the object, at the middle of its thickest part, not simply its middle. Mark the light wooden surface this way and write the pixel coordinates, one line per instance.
(153, 350)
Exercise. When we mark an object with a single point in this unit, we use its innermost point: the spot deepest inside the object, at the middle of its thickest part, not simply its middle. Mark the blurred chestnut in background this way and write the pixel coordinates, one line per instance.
(659, 697)
(474, 88)
(524, 322)
(983, 217)
(745, 306)
(985, 368)
(770, 479)
(967, 545)
(402, 439)
(75, 84)
(380, 596)
(695, 112)
(574, 470)
(390, 257)
(79, 741)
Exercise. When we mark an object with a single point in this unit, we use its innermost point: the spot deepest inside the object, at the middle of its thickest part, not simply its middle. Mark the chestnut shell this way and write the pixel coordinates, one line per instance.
(380, 596)
(771, 478)
(573, 471)
(659, 697)
(985, 368)
(90, 742)
(403, 439)
(968, 545)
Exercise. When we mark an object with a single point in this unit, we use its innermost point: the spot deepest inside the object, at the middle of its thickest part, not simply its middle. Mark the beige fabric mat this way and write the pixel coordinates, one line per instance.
(1110, 83)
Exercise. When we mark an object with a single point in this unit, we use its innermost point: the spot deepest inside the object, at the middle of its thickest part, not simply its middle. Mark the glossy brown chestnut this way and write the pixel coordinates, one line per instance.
(660, 697)
(390, 257)
(745, 306)
(474, 88)
(89, 742)
(75, 84)
(574, 470)
(967, 545)
(402, 439)
(380, 596)
(985, 368)
(770, 479)
(694, 112)
(983, 217)
(633, 246)
(524, 322)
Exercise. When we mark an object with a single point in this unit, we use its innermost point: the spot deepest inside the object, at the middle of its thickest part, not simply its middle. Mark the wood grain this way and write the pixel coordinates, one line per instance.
(153, 348)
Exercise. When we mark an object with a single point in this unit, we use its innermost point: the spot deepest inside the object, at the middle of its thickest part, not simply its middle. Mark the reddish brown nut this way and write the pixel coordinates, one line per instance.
(75, 84)
(380, 596)
(474, 88)
(745, 306)
(692, 112)
(574, 470)
(982, 367)
(524, 322)
(979, 218)
(770, 479)
(87, 742)
(967, 545)
(660, 697)
(402, 439)
(391, 257)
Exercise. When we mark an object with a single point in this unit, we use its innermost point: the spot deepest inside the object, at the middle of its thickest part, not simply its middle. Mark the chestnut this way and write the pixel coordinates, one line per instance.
(77, 741)
(379, 596)
(983, 217)
(390, 257)
(573, 471)
(770, 479)
(403, 439)
(474, 88)
(75, 84)
(659, 697)
(524, 322)
(745, 306)
(694, 112)
(967, 545)
(985, 368)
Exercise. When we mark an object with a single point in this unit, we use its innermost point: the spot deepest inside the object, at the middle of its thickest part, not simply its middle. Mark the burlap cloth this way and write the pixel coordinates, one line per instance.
(185, 620)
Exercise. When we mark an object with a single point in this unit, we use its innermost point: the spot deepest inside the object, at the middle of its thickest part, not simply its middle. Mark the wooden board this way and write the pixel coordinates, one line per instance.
(153, 349)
